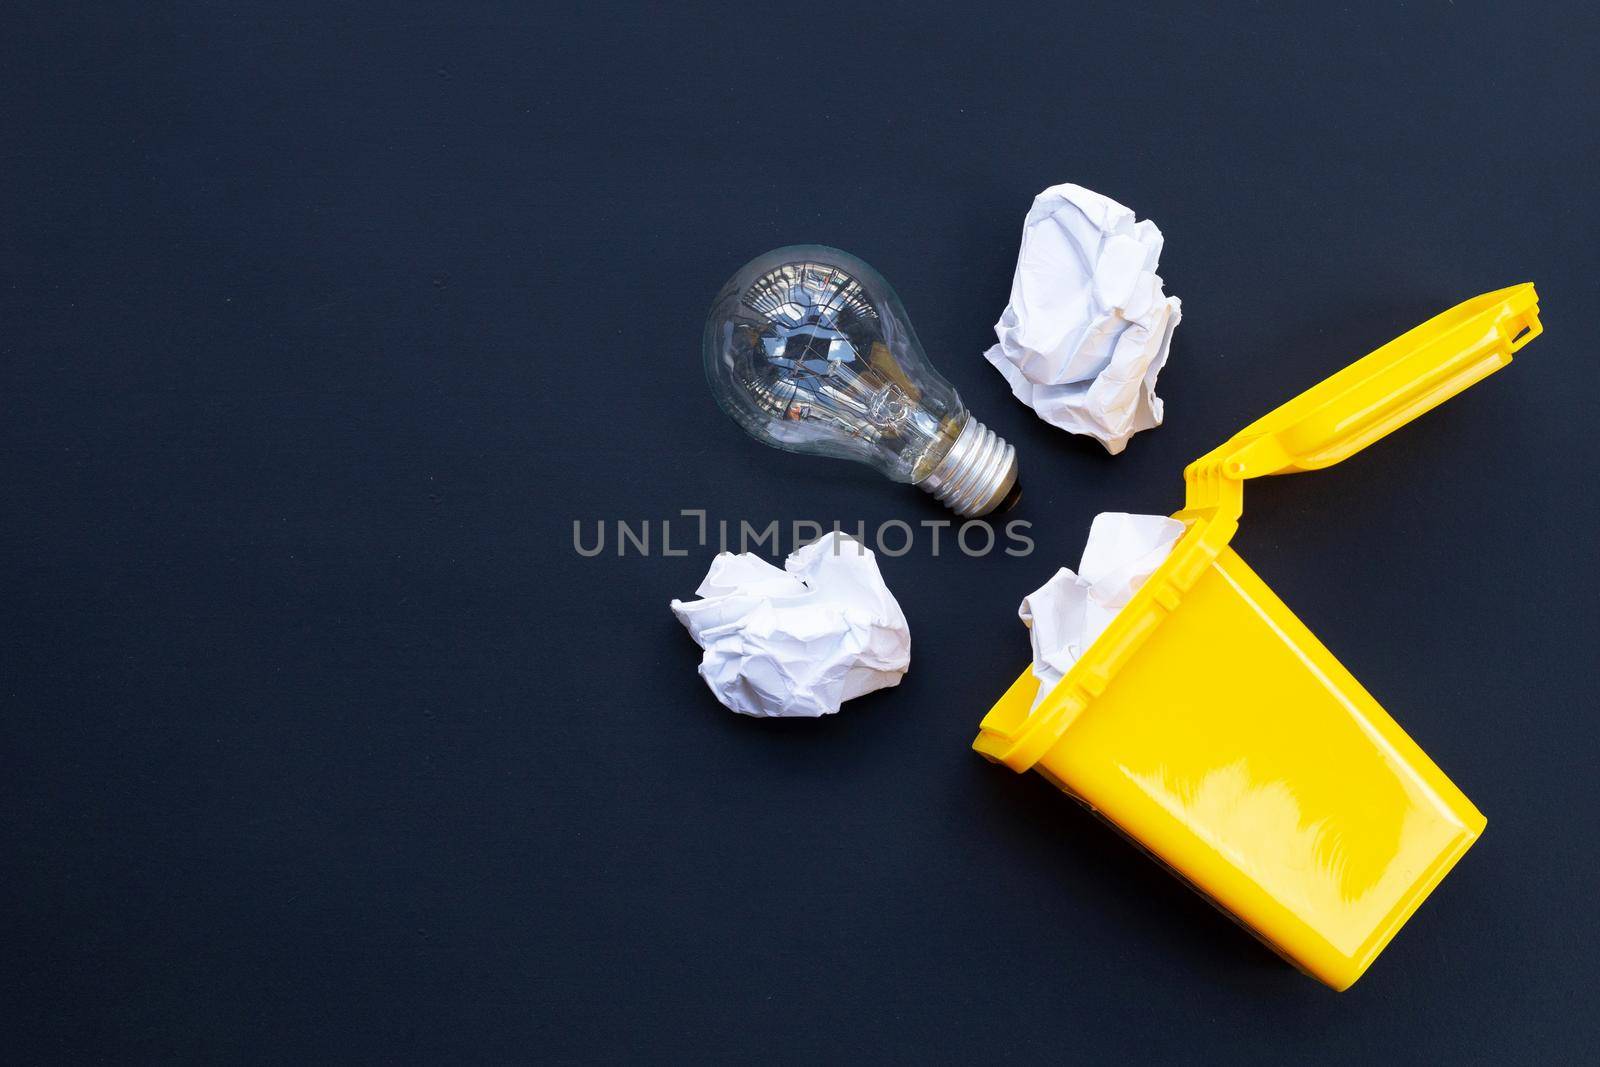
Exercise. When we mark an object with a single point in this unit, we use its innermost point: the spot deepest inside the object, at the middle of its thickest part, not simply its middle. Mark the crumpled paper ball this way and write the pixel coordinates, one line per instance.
(1067, 613)
(1088, 327)
(798, 641)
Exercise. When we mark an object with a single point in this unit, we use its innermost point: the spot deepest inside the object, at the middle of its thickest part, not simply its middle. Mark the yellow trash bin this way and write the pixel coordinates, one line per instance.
(1211, 727)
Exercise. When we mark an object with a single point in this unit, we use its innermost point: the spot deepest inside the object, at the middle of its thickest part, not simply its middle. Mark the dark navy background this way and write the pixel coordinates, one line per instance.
(319, 327)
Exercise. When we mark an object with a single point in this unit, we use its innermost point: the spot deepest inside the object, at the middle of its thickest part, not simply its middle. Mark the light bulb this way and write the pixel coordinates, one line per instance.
(810, 351)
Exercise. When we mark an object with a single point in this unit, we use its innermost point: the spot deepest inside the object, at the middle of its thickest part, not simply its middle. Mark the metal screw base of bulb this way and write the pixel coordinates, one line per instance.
(976, 475)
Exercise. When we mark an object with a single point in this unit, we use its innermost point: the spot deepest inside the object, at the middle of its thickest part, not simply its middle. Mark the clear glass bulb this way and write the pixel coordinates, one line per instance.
(809, 349)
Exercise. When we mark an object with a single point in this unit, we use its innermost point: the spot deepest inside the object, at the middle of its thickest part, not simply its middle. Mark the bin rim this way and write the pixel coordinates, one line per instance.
(1327, 423)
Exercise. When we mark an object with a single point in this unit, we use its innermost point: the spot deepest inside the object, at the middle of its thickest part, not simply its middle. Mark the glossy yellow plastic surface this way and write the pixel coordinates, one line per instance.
(1211, 727)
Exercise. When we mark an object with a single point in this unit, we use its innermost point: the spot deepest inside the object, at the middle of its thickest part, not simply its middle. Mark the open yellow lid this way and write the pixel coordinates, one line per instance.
(1383, 391)
(1327, 423)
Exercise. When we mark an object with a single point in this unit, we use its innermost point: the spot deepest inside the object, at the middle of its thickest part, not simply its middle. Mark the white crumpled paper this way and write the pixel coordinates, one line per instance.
(1088, 326)
(1067, 613)
(798, 641)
